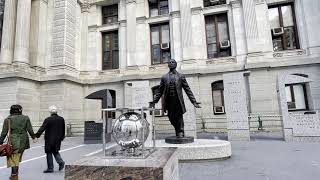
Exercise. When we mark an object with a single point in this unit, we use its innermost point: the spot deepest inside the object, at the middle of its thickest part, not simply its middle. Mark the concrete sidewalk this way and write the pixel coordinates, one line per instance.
(260, 160)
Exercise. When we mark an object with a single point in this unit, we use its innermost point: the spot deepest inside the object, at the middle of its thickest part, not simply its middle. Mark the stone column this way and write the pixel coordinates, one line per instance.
(38, 33)
(122, 35)
(85, 7)
(21, 50)
(251, 26)
(8, 31)
(131, 31)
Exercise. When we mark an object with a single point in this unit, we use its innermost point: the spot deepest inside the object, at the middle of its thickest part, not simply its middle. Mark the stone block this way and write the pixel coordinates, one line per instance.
(160, 165)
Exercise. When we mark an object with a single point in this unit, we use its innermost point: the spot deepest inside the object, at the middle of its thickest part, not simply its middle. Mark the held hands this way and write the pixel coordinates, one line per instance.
(35, 140)
(196, 104)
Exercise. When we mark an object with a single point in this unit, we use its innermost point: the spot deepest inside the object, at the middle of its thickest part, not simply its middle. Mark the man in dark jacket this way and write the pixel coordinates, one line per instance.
(171, 86)
(55, 133)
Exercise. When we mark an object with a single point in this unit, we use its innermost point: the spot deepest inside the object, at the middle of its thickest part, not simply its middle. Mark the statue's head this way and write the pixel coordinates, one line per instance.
(172, 64)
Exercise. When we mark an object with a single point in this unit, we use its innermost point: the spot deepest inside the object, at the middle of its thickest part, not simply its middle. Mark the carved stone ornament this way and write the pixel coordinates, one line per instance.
(85, 6)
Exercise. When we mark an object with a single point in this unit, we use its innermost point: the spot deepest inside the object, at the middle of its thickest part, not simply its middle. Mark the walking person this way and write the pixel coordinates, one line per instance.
(54, 127)
(18, 125)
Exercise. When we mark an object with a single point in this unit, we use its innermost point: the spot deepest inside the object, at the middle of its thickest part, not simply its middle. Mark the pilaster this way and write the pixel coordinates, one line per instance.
(131, 31)
(64, 23)
(251, 26)
(85, 7)
(8, 32)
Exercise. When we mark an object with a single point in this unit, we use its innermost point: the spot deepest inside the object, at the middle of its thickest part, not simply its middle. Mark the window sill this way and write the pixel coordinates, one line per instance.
(289, 53)
(109, 71)
(158, 66)
(229, 59)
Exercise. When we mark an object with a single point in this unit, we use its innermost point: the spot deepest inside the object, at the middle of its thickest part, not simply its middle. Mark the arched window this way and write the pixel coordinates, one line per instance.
(217, 97)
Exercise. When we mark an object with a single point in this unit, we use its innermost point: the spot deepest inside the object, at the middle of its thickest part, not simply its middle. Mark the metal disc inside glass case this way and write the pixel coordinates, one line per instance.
(130, 130)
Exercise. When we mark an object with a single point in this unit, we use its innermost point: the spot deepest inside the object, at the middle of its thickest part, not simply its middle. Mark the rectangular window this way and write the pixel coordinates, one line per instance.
(110, 50)
(161, 112)
(110, 14)
(158, 7)
(217, 31)
(160, 43)
(207, 3)
(217, 97)
(296, 97)
(283, 27)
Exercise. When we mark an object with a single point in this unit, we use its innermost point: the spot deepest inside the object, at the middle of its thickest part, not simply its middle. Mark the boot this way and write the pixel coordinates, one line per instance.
(14, 177)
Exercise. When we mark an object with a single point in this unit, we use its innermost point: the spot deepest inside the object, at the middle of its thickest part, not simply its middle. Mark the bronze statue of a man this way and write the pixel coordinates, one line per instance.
(171, 87)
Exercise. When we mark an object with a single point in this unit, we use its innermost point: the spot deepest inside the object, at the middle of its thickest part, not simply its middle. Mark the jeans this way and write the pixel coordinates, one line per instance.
(50, 159)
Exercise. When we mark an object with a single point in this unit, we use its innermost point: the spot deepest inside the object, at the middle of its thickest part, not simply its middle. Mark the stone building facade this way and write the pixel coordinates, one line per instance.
(60, 51)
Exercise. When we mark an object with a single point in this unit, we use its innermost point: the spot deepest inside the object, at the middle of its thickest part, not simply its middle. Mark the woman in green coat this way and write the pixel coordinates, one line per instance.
(19, 125)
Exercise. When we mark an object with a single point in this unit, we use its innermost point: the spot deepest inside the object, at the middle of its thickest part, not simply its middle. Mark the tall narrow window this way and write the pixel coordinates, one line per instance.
(217, 97)
(296, 97)
(160, 43)
(110, 52)
(158, 7)
(283, 27)
(218, 41)
(110, 14)
(207, 3)
(155, 90)
(1, 18)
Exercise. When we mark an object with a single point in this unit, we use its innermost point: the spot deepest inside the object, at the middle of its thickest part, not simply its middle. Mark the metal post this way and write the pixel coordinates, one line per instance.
(153, 129)
(103, 132)
(142, 115)
(260, 123)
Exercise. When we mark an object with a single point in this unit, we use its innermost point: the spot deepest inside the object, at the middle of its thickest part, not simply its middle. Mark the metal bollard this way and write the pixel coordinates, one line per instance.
(260, 123)
(69, 132)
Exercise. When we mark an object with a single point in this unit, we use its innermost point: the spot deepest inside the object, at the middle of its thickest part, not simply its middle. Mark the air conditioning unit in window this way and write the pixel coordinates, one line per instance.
(224, 44)
(157, 112)
(291, 105)
(165, 45)
(277, 31)
(214, 2)
(218, 110)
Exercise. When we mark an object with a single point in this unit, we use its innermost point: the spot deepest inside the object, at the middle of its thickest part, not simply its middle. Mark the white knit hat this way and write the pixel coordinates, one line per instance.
(53, 109)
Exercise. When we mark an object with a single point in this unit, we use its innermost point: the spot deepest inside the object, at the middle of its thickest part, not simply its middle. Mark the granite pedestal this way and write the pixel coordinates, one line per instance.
(160, 165)
(200, 149)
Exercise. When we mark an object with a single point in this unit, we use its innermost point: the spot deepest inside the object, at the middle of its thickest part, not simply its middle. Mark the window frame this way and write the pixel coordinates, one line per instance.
(158, 7)
(154, 89)
(111, 36)
(293, 96)
(104, 17)
(215, 16)
(160, 42)
(295, 27)
(220, 3)
(222, 96)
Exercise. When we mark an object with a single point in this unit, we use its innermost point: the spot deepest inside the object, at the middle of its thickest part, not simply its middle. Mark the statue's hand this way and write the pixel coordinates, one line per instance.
(151, 104)
(197, 104)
